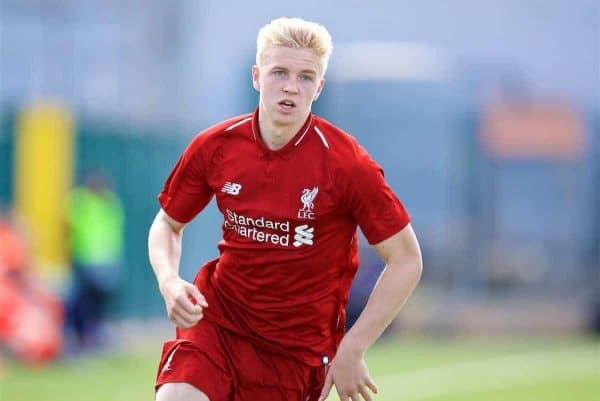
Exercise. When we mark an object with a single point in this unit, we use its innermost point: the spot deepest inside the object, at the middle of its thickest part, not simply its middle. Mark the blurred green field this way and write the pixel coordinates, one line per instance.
(424, 370)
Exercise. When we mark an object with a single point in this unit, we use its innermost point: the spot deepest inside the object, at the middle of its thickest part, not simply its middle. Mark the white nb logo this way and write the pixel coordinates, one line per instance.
(231, 188)
(304, 235)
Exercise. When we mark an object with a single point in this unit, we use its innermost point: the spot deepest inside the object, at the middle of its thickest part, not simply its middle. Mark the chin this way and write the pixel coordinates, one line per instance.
(282, 122)
(281, 118)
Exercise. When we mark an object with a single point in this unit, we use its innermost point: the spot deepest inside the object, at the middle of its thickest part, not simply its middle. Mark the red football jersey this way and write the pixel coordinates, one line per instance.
(289, 250)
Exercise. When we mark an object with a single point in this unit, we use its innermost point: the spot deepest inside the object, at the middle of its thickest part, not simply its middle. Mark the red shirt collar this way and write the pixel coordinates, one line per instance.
(296, 140)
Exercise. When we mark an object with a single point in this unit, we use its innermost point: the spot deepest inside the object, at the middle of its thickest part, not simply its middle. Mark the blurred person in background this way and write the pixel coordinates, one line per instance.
(31, 317)
(95, 220)
(265, 320)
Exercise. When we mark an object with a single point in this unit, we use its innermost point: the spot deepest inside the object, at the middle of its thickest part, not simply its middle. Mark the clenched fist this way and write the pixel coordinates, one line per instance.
(183, 300)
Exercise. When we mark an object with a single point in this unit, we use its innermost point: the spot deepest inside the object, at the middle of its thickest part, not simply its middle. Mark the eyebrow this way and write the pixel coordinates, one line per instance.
(305, 71)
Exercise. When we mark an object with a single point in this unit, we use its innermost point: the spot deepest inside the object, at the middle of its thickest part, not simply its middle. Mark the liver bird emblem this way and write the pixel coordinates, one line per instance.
(308, 197)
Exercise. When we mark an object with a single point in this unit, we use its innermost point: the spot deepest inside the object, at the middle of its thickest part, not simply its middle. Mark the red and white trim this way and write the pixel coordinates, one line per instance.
(304, 133)
(322, 137)
(238, 124)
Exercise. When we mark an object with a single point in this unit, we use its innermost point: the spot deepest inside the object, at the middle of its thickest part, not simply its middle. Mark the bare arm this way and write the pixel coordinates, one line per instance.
(164, 246)
(183, 300)
(348, 370)
(402, 272)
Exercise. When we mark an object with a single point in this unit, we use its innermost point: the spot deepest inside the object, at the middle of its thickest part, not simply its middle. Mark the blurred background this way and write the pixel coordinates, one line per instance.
(485, 116)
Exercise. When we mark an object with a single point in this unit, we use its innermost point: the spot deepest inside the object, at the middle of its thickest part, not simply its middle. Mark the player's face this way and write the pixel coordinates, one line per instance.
(289, 81)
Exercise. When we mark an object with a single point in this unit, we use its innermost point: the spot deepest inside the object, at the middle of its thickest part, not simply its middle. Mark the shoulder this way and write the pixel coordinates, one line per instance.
(344, 151)
(211, 137)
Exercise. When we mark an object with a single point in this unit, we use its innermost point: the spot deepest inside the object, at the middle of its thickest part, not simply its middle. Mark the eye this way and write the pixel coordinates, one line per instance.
(306, 77)
(279, 72)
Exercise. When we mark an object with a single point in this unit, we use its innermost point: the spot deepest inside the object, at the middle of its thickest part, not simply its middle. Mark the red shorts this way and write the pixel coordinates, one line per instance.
(227, 367)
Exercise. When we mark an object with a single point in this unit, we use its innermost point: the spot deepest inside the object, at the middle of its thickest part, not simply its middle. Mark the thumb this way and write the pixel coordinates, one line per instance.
(197, 296)
(326, 387)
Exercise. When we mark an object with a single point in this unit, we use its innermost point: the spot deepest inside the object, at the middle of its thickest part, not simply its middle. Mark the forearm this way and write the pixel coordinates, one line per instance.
(389, 295)
(164, 249)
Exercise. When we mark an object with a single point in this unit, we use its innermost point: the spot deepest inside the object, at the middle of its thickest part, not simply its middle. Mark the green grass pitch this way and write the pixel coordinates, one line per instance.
(406, 370)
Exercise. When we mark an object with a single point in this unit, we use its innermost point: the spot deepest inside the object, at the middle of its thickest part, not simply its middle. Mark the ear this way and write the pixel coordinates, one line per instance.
(255, 77)
(319, 89)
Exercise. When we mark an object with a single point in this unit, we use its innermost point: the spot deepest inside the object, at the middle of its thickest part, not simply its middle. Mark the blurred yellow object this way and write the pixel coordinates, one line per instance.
(43, 176)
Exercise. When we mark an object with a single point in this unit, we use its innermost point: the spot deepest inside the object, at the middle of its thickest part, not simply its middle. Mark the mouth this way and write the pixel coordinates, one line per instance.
(287, 104)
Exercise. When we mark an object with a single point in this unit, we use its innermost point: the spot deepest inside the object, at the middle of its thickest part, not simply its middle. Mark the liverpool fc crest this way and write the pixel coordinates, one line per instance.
(308, 201)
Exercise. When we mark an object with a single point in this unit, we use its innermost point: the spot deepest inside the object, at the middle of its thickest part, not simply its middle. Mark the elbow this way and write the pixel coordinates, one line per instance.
(411, 268)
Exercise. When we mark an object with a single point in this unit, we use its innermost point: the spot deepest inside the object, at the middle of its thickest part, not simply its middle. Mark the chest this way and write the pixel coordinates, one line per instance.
(292, 187)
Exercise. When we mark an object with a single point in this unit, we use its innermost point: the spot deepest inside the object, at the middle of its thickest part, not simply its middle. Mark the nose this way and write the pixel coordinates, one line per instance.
(290, 86)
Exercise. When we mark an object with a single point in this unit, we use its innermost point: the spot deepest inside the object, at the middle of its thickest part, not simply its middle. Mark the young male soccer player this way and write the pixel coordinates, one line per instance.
(265, 320)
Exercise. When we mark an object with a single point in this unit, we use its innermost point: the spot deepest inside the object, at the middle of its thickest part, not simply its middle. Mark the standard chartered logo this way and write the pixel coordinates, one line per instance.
(304, 235)
(261, 229)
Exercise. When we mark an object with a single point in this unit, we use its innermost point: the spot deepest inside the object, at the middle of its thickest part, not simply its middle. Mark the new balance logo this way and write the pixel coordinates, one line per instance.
(231, 188)
(304, 235)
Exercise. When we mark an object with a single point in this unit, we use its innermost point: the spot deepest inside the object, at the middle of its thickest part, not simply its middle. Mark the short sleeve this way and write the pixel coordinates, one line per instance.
(186, 191)
(372, 203)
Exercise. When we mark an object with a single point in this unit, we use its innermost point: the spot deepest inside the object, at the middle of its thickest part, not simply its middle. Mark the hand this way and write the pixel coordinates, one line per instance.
(348, 372)
(183, 300)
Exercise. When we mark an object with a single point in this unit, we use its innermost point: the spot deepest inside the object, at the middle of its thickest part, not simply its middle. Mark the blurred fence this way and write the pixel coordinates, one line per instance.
(129, 156)
(6, 155)
(485, 226)
(484, 223)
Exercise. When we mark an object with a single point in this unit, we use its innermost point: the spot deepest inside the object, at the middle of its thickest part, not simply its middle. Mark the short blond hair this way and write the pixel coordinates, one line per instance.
(295, 33)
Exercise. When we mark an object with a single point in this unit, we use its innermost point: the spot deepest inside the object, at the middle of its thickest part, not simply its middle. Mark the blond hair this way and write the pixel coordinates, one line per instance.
(295, 33)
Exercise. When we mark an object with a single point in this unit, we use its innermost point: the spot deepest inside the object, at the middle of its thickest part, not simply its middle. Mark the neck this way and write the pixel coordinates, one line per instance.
(276, 136)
